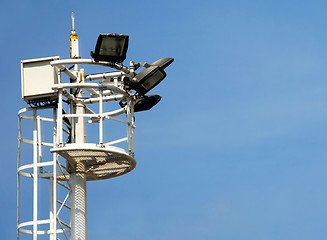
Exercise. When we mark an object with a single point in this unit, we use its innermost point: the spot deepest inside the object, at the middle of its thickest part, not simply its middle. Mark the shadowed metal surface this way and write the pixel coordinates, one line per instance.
(100, 162)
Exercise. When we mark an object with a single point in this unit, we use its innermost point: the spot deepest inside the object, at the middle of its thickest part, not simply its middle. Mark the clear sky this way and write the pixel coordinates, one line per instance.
(237, 147)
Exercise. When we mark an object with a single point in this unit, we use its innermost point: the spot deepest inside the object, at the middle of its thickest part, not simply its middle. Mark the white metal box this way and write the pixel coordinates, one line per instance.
(37, 78)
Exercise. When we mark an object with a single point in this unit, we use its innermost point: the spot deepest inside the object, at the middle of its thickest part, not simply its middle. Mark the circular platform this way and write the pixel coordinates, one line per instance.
(100, 162)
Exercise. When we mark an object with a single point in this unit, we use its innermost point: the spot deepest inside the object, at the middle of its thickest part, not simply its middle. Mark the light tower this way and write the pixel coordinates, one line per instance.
(57, 153)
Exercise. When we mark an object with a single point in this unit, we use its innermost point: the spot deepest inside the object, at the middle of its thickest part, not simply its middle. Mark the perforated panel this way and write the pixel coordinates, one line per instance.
(100, 163)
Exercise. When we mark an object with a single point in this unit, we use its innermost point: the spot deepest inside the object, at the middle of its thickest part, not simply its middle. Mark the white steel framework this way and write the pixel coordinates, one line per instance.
(41, 169)
(75, 159)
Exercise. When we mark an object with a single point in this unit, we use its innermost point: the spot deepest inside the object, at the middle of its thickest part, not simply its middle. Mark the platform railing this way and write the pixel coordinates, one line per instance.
(103, 93)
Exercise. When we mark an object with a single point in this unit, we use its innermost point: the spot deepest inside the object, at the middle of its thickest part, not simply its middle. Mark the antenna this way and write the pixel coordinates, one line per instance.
(73, 22)
(74, 48)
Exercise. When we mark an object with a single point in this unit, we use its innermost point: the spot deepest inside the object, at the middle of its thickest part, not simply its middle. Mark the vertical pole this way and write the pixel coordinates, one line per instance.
(130, 119)
(35, 175)
(39, 141)
(101, 117)
(130, 126)
(78, 213)
(53, 184)
(59, 119)
(52, 213)
(18, 177)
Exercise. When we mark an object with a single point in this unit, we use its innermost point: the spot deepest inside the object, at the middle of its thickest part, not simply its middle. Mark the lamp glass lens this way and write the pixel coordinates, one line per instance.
(112, 46)
(153, 80)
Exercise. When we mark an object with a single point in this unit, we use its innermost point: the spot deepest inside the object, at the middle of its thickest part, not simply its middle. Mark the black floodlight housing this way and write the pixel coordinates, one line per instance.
(146, 102)
(111, 47)
(163, 62)
(147, 79)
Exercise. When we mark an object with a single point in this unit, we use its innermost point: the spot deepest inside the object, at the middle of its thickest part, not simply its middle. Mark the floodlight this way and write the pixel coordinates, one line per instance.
(163, 62)
(146, 80)
(110, 47)
(146, 102)
(150, 77)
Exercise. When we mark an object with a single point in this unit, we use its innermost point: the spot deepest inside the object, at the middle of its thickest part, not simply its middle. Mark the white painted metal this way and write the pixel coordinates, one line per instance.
(37, 77)
(53, 185)
(92, 92)
(18, 177)
(101, 118)
(100, 159)
(130, 127)
(104, 150)
(103, 76)
(91, 85)
(34, 170)
(59, 119)
(67, 72)
(117, 66)
(74, 52)
(35, 180)
(104, 99)
(78, 213)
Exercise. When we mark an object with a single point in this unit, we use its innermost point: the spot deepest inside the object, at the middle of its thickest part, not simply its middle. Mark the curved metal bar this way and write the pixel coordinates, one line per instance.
(43, 231)
(60, 175)
(102, 76)
(79, 61)
(27, 166)
(98, 115)
(66, 71)
(23, 110)
(92, 62)
(90, 85)
(115, 112)
(105, 99)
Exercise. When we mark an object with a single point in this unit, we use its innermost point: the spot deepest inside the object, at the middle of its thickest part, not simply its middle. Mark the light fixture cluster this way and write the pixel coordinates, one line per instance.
(113, 48)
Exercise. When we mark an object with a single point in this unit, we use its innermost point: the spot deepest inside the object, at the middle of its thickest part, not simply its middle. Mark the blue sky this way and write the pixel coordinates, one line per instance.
(236, 149)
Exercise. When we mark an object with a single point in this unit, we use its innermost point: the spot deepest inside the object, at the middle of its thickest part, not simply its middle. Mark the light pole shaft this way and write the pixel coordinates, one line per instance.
(78, 199)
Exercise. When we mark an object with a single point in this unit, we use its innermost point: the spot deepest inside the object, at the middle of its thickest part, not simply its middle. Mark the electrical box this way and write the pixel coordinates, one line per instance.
(38, 76)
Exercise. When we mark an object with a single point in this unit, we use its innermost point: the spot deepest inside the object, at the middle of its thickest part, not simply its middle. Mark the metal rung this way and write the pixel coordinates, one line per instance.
(26, 140)
(117, 119)
(63, 223)
(61, 203)
(46, 119)
(63, 185)
(61, 166)
(47, 144)
(26, 117)
(65, 131)
(116, 141)
(31, 142)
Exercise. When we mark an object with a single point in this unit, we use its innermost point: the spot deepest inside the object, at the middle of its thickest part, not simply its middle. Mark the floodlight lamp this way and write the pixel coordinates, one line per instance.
(146, 80)
(110, 47)
(146, 102)
(163, 62)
